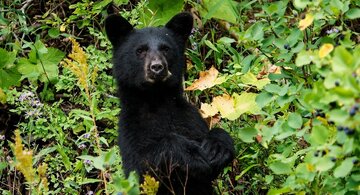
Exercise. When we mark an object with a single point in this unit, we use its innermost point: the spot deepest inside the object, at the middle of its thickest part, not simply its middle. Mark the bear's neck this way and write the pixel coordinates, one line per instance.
(157, 97)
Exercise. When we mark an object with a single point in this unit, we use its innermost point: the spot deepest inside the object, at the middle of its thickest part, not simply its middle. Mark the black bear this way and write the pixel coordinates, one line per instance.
(160, 133)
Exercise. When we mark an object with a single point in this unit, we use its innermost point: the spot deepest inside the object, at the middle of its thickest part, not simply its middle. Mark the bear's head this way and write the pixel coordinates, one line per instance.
(150, 56)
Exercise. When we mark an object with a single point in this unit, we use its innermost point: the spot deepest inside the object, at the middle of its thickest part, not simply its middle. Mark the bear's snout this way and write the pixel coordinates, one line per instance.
(156, 68)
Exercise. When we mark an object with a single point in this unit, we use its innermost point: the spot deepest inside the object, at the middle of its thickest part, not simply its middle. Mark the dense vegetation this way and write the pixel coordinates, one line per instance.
(282, 77)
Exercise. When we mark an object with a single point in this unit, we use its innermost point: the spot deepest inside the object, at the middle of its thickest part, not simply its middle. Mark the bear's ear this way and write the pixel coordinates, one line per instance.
(117, 28)
(181, 24)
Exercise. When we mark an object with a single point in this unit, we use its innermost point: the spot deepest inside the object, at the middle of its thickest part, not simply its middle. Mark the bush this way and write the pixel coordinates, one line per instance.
(282, 77)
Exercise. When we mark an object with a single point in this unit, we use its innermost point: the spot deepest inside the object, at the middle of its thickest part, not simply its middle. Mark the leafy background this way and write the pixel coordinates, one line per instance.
(282, 77)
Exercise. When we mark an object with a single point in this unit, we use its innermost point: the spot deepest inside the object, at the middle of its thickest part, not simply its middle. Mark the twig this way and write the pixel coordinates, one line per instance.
(26, 4)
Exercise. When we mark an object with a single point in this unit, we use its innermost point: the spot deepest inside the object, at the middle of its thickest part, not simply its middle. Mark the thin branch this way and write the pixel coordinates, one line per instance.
(25, 5)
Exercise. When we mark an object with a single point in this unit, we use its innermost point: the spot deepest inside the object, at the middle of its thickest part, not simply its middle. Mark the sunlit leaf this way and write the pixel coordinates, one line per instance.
(220, 9)
(225, 104)
(295, 120)
(353, 13)
(206, 80)
(246, 102)
(325, 49)
(324, 164)
(207, 110)
(303, 58)
(319, 135)
(307, 21)
(279, 167)
(344, 168)
(250, 79)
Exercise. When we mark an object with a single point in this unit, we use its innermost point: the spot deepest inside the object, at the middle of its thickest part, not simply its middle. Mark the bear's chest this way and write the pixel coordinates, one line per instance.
(154, 123)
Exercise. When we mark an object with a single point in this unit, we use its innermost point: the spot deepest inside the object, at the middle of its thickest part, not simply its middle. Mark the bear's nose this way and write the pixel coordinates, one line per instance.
(156, 68)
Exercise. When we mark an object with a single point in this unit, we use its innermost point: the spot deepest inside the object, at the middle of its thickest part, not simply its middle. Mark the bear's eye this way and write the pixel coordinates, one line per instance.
(141, 50)
(164, 48)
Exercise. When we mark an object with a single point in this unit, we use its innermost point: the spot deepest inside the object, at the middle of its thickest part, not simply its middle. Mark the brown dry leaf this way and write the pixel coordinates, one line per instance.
(212, 121)
(206, 80)
(270, 68)
(207, 110)
(275, 69)
(259, 138)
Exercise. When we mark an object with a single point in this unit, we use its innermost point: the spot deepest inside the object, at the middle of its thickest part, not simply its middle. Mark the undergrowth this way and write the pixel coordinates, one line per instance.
(282, 77)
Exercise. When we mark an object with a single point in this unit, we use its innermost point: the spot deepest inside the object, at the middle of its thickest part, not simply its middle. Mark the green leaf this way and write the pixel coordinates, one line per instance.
(246, 63)
(319, 135)
(343, 61)
(44, 68)
(247, 134)
(212, 46)
(246, 103)
(220, 9)
(280, 191)
(44, 152)
(54, 32)
(250, 79)
(110, 156)
(338, 115)
(255, 32)
(295, 120)
(353, 13)
(50, 62)
(65, 158)
(164, 10)
(344, 168)
(263, 99)
(120, 2)
(276, 89)
(303, 58)
(40, 48)
(226, 40)
(99, 162)
(324, 164)
(6, 58)
(8, 73)
(280, 168)
(303, 172)
(28, 69)
(101, 4)
(9, 78)
(88, 180)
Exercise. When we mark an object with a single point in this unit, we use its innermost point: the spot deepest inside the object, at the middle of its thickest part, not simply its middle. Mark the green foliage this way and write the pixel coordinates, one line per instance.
(8, 73)
(41, 64)
(289, 97)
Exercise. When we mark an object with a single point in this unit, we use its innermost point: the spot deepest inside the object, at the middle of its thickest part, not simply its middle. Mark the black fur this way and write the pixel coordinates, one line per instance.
(160, 133)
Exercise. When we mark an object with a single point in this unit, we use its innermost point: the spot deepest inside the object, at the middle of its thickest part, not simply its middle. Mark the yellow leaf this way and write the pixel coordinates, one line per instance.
(325, 49)
(307, 21)
(62, 28)
(207, 110)
(225, 104)
(2, 96)
(246, 102)
(206, 80)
